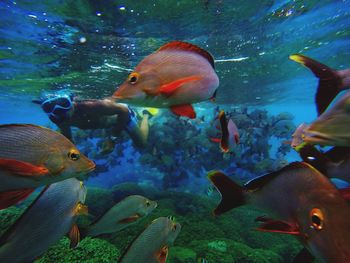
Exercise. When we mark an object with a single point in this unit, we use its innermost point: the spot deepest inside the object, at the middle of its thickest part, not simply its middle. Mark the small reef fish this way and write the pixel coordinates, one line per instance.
(331, 81)
(335, 163)
(297, 136)
(45, 221)
(177, 75)
(125, 213)
(229, 134)
(153, 243)
(303, 201)
(33, 156)
(331, 127)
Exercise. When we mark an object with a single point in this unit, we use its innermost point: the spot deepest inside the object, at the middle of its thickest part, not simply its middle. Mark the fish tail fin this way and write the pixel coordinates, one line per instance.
(232, 194)
(13, 197)
(317, 159)
(330, 82)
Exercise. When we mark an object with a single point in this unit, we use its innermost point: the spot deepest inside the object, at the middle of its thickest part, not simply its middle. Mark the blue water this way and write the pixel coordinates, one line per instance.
(89, 48)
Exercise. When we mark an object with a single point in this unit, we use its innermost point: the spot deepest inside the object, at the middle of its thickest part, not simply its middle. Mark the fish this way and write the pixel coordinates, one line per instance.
(125, 213)
(177, 75)
(229, 134)
(297, 137)
(44, 222)
(335, 163)
(331, 82)
(152, 245)
(33, 156)
(331, 127)
(300, 201)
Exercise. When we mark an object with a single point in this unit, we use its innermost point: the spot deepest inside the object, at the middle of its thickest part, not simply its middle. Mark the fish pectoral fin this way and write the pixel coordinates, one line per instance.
(13, 197)
(162, 254)
(169, 88)
(184, 110)
(151, 91)
(129, 219)
(232, 195)
(22, 168)
(304, 256)
(277, 226)
(74, 236)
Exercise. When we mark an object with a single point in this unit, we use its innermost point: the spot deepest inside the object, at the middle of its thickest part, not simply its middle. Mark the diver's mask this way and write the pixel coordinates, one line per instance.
(57, 108)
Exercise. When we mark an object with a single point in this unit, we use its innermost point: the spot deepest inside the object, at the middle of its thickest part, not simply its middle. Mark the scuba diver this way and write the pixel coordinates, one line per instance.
(67, 112)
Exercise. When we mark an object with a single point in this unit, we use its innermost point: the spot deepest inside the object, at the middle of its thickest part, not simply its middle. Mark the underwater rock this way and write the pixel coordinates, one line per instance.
(233, 252)
(218, 245)
(99, 200)
(88, 250)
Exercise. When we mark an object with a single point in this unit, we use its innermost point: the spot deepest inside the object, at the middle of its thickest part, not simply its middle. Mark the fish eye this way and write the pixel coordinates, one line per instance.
(148, 203)
(316, 217)
(133, 78)
(74, 155)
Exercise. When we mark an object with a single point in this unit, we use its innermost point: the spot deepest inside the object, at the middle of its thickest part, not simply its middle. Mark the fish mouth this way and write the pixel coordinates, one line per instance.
(91, 167)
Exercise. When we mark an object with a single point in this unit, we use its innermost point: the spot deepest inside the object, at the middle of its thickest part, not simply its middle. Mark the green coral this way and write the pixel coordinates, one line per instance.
(89, 250)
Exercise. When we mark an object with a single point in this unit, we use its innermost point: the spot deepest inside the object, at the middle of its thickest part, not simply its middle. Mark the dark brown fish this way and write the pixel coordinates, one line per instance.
(300, 201)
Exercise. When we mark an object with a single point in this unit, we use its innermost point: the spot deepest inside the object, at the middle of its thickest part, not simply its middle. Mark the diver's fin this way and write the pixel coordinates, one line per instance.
(345, 193)
(304, 256)
(179, 45)
(170, 88)
(162, 254)
(330, 83)
(13, 197)
(276, 226)
(74, 236)
(232, 195)
(22, 168)
(312, 156)
(129, 219)
(184, 110)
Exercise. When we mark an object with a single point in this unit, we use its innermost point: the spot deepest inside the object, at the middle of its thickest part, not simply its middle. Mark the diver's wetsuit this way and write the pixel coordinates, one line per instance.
(102, 114)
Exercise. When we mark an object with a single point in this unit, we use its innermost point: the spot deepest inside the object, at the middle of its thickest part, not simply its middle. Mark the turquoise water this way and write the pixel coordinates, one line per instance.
(90, 47)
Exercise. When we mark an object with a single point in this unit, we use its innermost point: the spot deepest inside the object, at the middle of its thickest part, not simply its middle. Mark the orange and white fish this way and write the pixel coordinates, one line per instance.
(229, 134)
(152, 245)
(302, 201)
(177, 75)
(33, 156)
(331, 81)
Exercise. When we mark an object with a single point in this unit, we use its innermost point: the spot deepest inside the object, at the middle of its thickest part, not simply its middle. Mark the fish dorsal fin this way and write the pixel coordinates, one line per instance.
(179, 45)
(260, 181)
